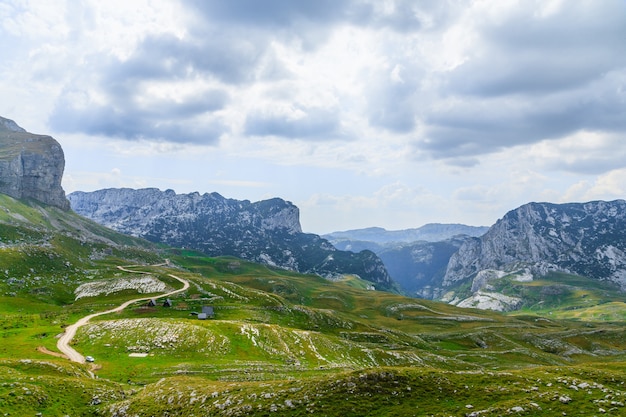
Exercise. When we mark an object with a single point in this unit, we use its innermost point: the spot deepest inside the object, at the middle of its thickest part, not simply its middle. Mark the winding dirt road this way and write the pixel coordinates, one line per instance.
(63, 343)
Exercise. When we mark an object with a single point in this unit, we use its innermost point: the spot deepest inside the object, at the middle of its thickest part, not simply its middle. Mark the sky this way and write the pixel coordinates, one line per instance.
(388, 113)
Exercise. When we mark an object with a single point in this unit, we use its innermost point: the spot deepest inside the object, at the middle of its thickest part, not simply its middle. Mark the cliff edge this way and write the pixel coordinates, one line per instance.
(31, 166)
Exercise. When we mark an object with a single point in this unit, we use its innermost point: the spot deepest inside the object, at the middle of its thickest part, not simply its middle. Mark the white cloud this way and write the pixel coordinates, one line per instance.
(393, 113)
(609, 186)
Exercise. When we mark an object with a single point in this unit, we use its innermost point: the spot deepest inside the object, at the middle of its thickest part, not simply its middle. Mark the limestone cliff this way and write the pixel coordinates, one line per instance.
(534, 242)
(267, 231)
(31, 166)
(580, 238)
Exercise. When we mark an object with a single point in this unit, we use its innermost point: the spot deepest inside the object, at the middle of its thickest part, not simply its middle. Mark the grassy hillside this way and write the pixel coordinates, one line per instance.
(280, 343)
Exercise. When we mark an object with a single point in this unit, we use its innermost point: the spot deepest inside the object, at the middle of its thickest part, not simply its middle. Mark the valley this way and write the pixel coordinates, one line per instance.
(279, 342)
(252, 317)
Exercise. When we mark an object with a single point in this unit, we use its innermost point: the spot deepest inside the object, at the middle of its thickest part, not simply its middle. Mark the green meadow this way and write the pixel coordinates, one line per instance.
(281, 343)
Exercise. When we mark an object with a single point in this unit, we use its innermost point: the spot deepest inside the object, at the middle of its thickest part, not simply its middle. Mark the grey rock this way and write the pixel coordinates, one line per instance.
(31, 166)
(267, 232)
(587, 239)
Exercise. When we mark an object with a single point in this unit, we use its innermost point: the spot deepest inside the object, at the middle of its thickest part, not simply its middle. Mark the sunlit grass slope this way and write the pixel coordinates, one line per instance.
(279, 343)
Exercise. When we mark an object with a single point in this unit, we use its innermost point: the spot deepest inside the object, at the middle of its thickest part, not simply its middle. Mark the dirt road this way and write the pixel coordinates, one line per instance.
(63, 343)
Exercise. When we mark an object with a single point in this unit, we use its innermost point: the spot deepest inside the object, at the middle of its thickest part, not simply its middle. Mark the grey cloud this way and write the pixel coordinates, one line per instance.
(391, 105)
(271, 13)
(224, 55)
(298, 17)
(229, 42)
(475, 127)
(317, 124)
(124, 112)
(168, 121)
(530, 79)
(527, 54)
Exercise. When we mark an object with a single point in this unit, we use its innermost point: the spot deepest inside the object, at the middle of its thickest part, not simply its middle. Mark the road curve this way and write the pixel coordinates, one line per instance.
(63, 344)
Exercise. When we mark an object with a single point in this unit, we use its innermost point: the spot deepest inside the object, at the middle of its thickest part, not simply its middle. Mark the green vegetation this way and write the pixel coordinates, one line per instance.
(281, 343)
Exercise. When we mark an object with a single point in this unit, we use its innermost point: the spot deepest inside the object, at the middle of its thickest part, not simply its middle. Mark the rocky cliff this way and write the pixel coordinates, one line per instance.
(267, 231)
(585, 239)
(31, 166)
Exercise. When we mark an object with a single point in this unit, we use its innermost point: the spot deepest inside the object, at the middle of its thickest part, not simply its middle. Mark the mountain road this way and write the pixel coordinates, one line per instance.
(63, 344)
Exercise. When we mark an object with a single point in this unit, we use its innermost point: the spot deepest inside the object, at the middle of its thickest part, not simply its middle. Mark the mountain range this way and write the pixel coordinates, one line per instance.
(432, 232)
(267, 232)
(464, 265)
(284, 343)
(415, 258)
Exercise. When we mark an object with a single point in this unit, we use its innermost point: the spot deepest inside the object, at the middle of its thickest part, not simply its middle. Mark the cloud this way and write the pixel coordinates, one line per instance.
(391, 101)
(294, 123)
(528, 76)
(270, 13)
(296, 18)
(609, 186)
(187, 119)
(528, 52)
(357, 83)
(584, 152)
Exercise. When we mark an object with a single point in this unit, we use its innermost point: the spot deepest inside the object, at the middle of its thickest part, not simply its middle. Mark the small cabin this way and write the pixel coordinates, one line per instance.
(208, 310)
(151, 303)
(207, 313)
(167, 303)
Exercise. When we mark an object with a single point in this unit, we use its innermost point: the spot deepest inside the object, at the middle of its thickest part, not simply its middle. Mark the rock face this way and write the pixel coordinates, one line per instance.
(267, 231)
(31, 166)
(587, 239)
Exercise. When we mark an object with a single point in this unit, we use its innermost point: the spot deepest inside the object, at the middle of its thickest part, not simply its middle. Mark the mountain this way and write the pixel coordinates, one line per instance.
(280, 343)
(267, 231)
(419, 267)
(31, 166)
(538, 240)
(432, 232)
(415, 258)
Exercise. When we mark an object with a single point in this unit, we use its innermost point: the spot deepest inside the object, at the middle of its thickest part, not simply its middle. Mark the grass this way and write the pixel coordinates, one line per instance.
(284, 343)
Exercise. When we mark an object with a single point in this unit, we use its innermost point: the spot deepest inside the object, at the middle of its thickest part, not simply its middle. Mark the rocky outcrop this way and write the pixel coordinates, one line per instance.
(267, 231)
(587, 239)
(31, 166)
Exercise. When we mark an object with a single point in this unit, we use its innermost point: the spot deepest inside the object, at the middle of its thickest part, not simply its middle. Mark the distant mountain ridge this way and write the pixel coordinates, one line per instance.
(415, 258)
(431, 232)
(267, 232)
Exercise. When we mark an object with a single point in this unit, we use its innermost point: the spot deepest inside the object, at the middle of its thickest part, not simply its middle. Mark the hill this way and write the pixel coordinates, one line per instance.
(432, 232)
(279, 342)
